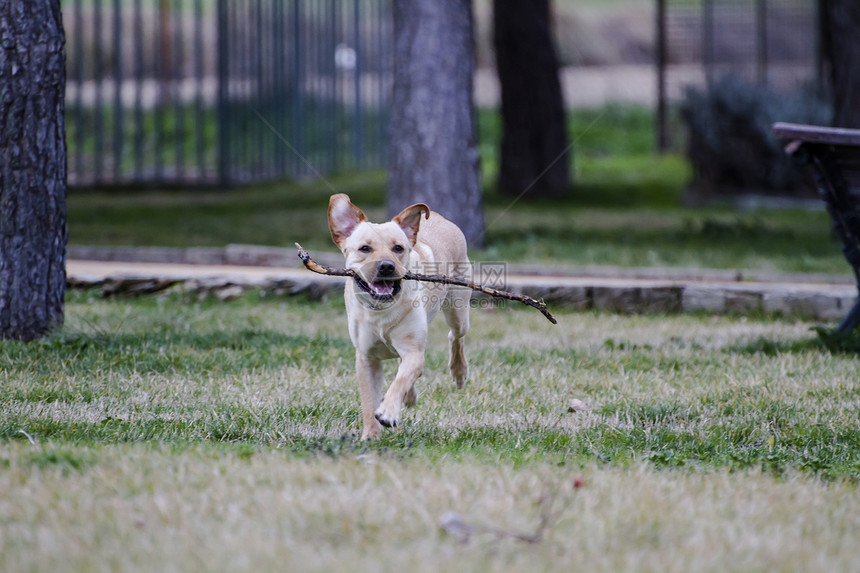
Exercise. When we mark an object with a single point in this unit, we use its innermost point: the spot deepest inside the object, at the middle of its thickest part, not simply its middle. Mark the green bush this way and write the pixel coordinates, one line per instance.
(730, 144)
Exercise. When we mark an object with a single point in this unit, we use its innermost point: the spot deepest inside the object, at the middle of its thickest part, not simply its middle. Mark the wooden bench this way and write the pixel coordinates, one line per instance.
(832, 155)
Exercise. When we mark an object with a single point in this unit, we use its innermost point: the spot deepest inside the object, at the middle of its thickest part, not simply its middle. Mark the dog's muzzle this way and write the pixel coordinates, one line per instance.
(385, 285)
(380, 290)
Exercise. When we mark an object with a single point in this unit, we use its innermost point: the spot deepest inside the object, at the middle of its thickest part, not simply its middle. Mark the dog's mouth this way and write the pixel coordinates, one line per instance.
(380, 290)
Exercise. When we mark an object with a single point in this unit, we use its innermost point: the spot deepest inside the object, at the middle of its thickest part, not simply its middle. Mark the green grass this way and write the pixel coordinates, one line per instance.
(255, 371)
(578, 231)
(778, 241)
(168, 433)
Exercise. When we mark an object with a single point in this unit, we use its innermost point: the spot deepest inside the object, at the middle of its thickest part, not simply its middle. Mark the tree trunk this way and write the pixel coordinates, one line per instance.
(32, 168)
(433, 156)
(840, 30)
(534, 152)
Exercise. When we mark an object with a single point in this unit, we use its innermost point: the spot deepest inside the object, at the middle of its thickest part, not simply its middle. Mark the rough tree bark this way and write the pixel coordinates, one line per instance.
(433, 156)
(840, 42)
(534, 151)
(32, 168)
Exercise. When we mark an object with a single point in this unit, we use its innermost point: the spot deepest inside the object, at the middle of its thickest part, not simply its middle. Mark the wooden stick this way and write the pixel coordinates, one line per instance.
(314, 266)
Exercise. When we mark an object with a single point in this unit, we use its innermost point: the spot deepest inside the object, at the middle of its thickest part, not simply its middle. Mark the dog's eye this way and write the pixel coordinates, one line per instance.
(398, 248)
(365, 248)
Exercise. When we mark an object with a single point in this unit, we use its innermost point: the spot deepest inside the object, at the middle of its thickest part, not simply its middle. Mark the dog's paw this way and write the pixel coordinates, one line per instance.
(386, 421)
(459, 371)
(371, 431)
(461, 377)
(370, 427)
(388, 417)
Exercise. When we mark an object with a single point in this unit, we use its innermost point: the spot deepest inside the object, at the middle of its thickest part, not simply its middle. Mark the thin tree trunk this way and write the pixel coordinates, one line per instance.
(841, 51)
(433, 150)
(534, 155)
(32, 168)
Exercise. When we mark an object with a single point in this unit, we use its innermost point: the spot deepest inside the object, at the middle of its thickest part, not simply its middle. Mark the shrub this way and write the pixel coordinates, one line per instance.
(730, 143)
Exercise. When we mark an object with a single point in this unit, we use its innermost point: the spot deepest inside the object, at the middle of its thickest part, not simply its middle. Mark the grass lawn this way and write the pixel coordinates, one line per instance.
(165, 433)
(170, 433)
(625, 209)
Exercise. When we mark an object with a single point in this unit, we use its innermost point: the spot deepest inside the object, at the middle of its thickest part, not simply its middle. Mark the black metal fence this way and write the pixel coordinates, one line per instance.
(221, 92)
(769, 42)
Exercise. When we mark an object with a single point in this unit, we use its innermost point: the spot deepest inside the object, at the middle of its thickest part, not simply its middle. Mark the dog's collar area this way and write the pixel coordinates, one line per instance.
(381, 291)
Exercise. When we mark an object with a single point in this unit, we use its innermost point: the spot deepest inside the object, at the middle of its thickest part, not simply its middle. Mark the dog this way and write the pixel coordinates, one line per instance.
(388, 317)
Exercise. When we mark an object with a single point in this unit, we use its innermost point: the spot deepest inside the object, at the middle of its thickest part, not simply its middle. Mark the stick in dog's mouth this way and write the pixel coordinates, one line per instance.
(314, 266)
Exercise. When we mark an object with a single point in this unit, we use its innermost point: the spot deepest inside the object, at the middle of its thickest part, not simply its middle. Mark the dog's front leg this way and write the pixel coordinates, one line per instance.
(410, 369)
(369, 372)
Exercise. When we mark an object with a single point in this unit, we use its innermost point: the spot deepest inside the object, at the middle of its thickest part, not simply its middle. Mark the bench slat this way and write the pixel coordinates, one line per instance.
(817, 134)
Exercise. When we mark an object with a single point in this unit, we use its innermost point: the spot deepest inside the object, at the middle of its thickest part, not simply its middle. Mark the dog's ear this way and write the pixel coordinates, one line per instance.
(409, 220)
(343, 218)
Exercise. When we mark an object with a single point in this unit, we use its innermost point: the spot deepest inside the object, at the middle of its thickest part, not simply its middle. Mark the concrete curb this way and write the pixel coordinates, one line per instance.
(818, 301)
(261, 256)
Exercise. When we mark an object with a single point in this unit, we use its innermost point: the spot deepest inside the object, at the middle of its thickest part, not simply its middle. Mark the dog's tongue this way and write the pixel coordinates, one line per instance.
(382, 288)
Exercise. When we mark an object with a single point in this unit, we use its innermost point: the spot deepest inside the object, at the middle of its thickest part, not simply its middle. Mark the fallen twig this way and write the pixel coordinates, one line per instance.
(548, 518)
(314, 266)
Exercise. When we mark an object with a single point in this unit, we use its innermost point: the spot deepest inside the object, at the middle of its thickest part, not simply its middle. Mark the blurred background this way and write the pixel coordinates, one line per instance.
(668, 104)
(172, 90)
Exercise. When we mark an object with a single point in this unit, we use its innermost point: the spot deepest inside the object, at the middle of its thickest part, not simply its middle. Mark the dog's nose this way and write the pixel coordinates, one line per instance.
(385, 268)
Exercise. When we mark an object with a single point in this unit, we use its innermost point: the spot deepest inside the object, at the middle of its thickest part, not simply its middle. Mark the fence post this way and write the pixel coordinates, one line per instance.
(708, 41)
(256, 168)
(298, 122)
(357, 135)
(330, 66)
(177, 28)
(198, 80)
(223, 112)
(662, 139)
(98, 119)
(821, 74)
(78, 74)
(117, 92)
(761, 44)
(137, 42)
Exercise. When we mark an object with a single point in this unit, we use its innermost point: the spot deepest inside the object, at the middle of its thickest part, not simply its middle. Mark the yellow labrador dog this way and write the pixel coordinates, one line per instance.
(388, 317)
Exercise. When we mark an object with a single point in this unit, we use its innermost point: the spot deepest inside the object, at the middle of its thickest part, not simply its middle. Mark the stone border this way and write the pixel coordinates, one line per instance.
(808, 300)
(262, 256)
